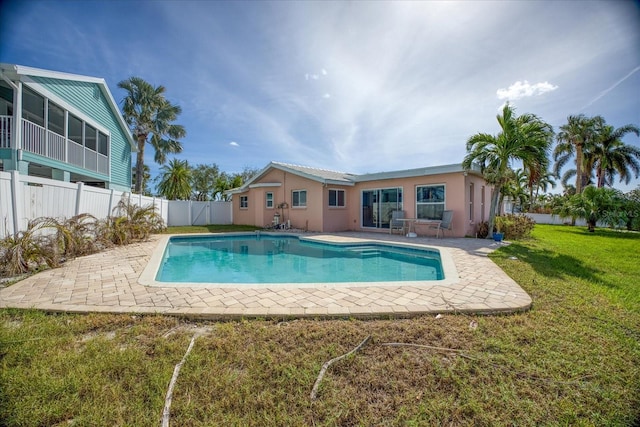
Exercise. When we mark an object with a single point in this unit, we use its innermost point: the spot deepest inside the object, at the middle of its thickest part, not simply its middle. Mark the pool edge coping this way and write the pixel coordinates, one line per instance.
(451, 276)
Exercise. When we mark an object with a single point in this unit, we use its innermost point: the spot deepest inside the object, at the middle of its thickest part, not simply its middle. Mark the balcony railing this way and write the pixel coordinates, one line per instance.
(5, 131)
(38, 140)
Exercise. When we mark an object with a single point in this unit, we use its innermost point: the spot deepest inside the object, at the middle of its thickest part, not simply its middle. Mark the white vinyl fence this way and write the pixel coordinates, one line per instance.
(23, 198)
(553, 219)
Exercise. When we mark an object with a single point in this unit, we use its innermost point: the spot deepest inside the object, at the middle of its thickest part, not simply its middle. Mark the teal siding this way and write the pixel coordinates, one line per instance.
(89, 99)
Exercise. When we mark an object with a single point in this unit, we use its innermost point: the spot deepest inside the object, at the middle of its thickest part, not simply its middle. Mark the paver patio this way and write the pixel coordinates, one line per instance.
(109, 282)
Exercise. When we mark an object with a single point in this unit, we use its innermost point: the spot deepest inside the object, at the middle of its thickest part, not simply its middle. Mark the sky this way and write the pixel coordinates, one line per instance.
(350, 86)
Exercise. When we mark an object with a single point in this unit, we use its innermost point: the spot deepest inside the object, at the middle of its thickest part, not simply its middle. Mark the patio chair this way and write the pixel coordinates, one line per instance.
(396, 223)
(445, 224)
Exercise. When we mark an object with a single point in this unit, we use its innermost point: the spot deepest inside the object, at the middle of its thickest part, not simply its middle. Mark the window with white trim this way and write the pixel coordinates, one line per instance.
(299, 198)
(337, 198)
(269, 200)
(471, 202)
(430, 201)
(244, 202)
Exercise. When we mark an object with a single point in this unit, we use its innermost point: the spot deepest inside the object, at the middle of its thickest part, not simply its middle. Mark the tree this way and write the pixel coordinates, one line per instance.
(175, 180)
(146, 177)
(593, 205)
(204, 181)
(221, 186)
(611, 156)
(150, 117)
(515, 190)
(574, 137)
(524, 138)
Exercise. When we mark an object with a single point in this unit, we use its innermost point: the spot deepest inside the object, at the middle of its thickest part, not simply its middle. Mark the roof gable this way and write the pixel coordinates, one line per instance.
(16, 71)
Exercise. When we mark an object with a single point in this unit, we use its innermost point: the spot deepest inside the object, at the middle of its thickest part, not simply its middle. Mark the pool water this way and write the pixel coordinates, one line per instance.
(287, 259)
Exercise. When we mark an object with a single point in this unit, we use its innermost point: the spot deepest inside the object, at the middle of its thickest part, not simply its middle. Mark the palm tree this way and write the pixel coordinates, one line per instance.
(574, 137)
(611, 156)
(524, 138)
(516, 190)
(175, 180)
(149, 113)
(593, 205)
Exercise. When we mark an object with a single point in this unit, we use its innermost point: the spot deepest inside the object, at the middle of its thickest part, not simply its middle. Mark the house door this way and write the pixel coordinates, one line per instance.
(377, 206)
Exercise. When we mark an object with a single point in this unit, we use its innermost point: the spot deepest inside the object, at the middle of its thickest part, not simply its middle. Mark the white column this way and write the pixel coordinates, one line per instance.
(16, 142)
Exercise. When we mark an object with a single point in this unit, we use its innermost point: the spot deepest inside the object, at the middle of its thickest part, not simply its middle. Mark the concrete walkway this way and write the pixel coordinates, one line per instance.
(109, 282)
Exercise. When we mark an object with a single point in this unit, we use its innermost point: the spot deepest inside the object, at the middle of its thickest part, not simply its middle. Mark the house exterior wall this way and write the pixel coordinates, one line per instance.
(463, 195)
(309, 217)
(338, 218)
(88, 99)
(454, 198)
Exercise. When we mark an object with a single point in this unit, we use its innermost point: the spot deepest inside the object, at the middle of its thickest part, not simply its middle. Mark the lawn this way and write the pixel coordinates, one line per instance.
(573, 359)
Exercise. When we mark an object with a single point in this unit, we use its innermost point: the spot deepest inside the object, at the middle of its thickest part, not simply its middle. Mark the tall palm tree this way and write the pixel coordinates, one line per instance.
(175, 180)
(574, 137)
(149, 114)
(524, 138)
(611, 156)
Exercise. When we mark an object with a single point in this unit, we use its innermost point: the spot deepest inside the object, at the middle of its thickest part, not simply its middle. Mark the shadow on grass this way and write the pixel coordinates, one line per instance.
(603, 232)
(554, 265)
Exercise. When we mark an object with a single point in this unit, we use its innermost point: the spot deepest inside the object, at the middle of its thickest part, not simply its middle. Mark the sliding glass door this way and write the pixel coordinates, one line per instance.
(377, 206)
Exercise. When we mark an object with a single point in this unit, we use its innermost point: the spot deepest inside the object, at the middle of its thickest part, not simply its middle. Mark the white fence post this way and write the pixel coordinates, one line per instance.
(16, 200)
(79, 197)
(110, 209)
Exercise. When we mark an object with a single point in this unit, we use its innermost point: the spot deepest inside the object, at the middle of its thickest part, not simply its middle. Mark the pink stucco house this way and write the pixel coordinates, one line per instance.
(328, 201)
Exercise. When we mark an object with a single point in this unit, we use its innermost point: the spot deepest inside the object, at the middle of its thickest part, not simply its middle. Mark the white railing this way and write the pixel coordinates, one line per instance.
(75, 153)
(38, 140)
(103, 164)
(56, 144)
(5, 131)
(33, 138)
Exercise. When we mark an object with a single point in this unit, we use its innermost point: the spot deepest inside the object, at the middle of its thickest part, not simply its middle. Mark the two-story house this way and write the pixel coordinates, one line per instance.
(63, 126)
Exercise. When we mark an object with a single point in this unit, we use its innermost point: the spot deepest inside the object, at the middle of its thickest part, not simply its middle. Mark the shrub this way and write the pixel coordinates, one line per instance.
(483, 230)
(30, 249)
(131, 223)
(514, 226)
(48, 242)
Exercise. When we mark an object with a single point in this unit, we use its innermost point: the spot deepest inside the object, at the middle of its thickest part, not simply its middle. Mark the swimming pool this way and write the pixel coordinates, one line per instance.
(265, 259)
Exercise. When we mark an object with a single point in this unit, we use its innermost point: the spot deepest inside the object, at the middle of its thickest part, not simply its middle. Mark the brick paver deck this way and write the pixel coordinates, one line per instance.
(109, 282)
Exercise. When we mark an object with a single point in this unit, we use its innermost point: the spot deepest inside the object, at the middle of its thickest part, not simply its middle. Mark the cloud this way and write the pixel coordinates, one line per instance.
(234, 144)
(612, 87)
(326, 96)
(524, 89)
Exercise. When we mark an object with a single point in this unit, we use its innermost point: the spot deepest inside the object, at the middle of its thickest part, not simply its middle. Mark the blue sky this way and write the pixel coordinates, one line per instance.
(351, 86)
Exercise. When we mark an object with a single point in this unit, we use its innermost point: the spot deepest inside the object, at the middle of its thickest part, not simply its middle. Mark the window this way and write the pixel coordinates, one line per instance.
(482, 204)
(75, 129)
(269, 200)
(244, 202)
(471, 204)
(103, 144)
(56, 119)
(90, 137)
(430, 201)
(299, 198)
(336, 198)
(32, 107)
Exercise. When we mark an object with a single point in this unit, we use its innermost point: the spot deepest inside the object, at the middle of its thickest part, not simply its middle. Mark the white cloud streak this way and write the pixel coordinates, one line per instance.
(524, 89)
(612, 87)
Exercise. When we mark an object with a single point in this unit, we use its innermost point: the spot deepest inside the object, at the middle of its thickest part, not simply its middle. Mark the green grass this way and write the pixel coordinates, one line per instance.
(572, 360)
